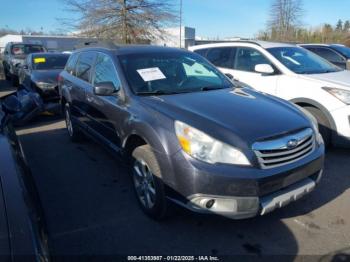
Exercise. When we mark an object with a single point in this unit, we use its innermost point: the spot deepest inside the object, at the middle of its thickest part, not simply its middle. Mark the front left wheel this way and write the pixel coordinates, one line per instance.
(148, 185)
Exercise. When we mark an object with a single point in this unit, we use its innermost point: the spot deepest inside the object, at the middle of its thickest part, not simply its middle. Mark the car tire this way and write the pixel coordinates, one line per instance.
(148, 185)
(72, 129)
(323, 125)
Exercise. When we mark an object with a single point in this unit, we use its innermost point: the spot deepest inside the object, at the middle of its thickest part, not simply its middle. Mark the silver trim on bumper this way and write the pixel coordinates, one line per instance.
(247, 207)
(284, 197)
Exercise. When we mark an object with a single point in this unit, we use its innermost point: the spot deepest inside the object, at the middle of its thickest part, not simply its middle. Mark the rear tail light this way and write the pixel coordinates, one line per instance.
(59, 78)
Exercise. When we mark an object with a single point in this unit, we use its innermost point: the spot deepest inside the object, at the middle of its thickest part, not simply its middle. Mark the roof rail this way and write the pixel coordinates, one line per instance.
(246, 41)
(97, 43)
(227, 41)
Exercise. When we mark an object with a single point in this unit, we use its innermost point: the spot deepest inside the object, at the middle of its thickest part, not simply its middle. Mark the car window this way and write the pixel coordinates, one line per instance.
(247, 58)
(169, 73)
(202, 52)
(328, 54)
(25, 49)
(105, 71)
(199, 71)
(221, 57)
(49, 62)
(302, 61)
(345, 51)
(84, 65)
(72, 61)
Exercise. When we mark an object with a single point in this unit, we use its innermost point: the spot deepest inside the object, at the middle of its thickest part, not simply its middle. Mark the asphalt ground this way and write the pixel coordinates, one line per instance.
(91, 209)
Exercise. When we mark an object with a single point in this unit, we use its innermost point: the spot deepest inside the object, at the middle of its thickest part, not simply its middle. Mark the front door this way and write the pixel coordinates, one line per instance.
(245, 60)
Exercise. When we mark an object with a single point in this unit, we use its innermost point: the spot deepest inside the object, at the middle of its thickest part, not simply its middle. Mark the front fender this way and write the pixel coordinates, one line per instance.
(65, 94)
(163, 143)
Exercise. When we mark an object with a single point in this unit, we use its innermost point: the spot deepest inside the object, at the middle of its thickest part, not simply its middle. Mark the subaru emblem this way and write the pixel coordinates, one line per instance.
(292, 144)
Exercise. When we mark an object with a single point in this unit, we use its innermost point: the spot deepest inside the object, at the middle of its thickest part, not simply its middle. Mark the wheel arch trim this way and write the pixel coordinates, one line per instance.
(318, 106)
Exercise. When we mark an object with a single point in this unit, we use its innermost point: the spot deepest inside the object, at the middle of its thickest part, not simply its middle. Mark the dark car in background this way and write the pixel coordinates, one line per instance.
(190, 134)
(40, 73)
(22, 224)
(15, 55)
(335, 53)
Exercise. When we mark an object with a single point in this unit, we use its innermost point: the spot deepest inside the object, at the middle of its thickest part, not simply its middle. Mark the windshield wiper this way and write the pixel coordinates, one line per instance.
(155, 92)
(209, 88)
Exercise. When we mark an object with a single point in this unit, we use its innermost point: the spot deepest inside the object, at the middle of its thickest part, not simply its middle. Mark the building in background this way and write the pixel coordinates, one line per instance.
(171, 37)
(52, 43)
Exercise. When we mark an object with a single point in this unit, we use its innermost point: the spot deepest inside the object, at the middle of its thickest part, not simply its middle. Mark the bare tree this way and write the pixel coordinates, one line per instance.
(285, 19)
(128, 21)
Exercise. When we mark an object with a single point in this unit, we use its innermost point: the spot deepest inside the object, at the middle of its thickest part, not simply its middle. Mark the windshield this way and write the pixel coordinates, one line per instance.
(49, 62)
(22, 49)
(343, 50)
(169, 73)
(302, 61)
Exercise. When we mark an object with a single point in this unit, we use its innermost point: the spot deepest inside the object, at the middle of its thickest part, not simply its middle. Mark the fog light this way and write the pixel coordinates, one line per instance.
(210, 203)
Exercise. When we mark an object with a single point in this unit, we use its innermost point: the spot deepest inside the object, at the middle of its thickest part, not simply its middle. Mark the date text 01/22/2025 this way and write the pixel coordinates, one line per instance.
(173, 258)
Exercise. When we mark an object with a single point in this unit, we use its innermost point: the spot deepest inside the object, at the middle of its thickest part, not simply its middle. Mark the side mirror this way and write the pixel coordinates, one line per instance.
(11, 105)
(105, 89)
(264, 69)
(348, 64)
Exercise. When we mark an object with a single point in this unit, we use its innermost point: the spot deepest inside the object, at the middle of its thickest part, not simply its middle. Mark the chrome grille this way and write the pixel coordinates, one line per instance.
(285, 150)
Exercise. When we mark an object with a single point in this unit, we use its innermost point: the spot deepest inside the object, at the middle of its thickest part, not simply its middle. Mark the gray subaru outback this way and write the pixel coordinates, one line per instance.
(191, 135)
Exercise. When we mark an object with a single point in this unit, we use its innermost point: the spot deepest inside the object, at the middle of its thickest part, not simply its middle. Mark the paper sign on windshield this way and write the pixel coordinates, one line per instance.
(39, 60)
(151, 74)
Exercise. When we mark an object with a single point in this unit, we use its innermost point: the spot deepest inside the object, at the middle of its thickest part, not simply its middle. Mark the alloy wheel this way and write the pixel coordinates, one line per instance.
(69, 122)
(144, 184)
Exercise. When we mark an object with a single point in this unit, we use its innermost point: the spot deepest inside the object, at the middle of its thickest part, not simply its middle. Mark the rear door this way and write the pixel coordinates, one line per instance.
(81, 83)
(223, 58)
(67, 79)
(106, 111)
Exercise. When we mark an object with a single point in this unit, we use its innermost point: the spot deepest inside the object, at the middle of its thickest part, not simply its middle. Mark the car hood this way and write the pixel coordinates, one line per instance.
(47, 76)
(341, 78)
(239, 116)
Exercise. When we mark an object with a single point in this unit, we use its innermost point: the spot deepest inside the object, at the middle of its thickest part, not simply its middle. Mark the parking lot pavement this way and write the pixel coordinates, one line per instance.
(91, 209)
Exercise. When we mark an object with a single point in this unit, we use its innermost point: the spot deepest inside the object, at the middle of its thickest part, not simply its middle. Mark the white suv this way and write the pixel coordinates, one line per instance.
(294, 74)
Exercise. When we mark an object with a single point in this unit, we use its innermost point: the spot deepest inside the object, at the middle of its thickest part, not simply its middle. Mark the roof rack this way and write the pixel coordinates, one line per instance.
(245, 41)
(97, 43)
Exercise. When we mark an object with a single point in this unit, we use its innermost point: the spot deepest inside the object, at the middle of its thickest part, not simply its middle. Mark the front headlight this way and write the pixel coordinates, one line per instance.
(341, 94)
(16, 61)
(205, 148)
